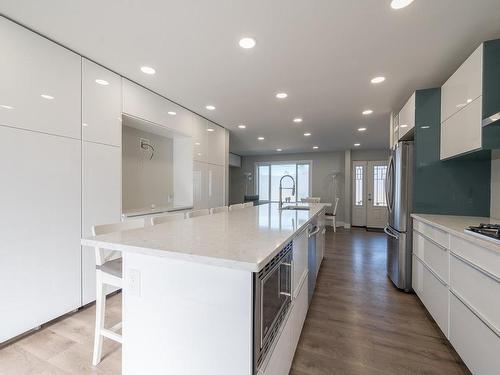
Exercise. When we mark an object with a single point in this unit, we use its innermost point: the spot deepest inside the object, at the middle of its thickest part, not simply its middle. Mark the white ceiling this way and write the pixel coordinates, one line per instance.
(323, 53)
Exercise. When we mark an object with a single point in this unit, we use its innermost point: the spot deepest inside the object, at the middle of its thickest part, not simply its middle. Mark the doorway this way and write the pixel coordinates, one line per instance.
(369, 206)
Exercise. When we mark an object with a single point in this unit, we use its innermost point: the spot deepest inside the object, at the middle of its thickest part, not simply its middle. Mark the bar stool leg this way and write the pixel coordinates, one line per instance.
(100, 308)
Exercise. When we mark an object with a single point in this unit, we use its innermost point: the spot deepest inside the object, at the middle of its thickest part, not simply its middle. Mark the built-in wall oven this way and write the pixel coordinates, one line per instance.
(272, 299)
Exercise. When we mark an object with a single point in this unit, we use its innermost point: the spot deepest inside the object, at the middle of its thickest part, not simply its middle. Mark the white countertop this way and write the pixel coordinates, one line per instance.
(243, 239)
(154, 210)
(456, 225)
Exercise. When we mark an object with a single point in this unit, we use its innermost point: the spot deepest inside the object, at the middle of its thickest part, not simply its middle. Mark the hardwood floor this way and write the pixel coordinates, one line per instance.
(358, 324)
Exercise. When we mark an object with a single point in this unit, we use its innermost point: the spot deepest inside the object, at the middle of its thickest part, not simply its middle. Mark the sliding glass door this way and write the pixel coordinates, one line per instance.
(269, 175)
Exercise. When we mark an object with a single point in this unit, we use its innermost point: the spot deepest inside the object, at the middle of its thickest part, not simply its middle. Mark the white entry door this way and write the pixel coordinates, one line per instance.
(376, 208)
(359, 193)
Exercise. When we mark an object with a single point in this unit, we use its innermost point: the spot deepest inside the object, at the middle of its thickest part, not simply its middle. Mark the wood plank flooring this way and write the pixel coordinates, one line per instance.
(358, 324)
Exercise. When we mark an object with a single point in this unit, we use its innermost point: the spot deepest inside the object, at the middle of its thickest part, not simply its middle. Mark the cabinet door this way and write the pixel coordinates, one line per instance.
(300, 243)
(461, 133)
(40, 198)
(216, 152)
(101, 104)
(406, 117)
(101, 202)
(40, 83)
(215, 185)
(464, 86)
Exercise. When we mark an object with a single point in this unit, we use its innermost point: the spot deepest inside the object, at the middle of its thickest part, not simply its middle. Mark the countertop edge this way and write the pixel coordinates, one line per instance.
(476, 240)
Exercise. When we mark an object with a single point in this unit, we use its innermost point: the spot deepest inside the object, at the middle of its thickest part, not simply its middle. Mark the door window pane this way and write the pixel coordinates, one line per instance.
(379, 172)
(263, 188)
(278, 171)
(358, 187)
(302, 181)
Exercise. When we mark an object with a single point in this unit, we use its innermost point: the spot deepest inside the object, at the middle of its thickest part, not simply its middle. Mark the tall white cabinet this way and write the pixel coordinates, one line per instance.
(40, 193)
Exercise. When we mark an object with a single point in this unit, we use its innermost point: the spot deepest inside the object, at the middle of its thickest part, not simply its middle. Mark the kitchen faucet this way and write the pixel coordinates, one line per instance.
(282, 188)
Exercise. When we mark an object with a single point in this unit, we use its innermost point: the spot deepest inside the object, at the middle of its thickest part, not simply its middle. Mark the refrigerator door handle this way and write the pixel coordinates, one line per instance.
(390, 233)
(388, 184)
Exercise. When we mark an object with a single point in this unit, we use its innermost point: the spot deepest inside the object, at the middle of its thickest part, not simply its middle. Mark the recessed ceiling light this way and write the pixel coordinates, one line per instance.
(403, 126)
(47, 96)
(172, 113)
(279, 149)
(5, 106)
(281, 95)
(357, 144)
(84, 124)
(241, 126)
(247, 43)
(367, 112)
(307, 134)
(425, 127)
(199, 154)
(379, 79)
(148, 70)
(102, 82)
(315, 147)
(210, 129)
(210, 107)
(260, 138)
(197, 143)
(297, 119)
(399, 4)
(469, 100)
(361, 129)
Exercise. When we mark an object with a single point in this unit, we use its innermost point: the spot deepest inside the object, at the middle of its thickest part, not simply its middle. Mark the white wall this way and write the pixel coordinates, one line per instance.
(495, 184)
(146, 182)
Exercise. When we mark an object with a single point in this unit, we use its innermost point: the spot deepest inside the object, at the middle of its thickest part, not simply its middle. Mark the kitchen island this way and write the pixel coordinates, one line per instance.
(188, 290)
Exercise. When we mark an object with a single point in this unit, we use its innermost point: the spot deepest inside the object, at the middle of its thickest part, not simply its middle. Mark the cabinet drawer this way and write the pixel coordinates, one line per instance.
(477, 289)
(434, 255)
(484, 258)
(437, 235)
(432, 292)
(461, 133)
(477, 345)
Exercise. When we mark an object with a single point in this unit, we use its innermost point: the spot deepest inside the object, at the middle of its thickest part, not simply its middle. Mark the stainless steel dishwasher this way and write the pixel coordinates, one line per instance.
(311, 259)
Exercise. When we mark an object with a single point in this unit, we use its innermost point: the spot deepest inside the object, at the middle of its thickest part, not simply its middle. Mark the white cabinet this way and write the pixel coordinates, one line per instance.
(300, 244)
(216, 153)
(208, 185)
(462, 132)
(433, 254)
(101, 104)
(40, 83)
(101, 201)
(432, 291)
(406, 118)
(40, 197)
(464, 86)
(320, 240)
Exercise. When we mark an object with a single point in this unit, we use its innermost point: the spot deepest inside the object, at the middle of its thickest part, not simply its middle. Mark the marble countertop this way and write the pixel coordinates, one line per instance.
(154, 210)
(243, 239)
(456, 225)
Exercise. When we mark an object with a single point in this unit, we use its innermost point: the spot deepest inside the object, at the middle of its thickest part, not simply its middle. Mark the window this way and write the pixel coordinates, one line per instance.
(358, 188)
(379, 172)
(269, 175)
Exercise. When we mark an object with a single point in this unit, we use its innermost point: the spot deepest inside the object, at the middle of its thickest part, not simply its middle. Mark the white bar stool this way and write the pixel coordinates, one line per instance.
(196, 213)
(166, 218)
(248, 204)
(216, 210)
(108, 272)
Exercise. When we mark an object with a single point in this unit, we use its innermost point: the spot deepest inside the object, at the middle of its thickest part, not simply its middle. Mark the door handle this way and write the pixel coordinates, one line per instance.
(389, 233)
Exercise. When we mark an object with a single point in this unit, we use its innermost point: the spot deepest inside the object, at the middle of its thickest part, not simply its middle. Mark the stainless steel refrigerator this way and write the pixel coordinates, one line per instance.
(399, 194)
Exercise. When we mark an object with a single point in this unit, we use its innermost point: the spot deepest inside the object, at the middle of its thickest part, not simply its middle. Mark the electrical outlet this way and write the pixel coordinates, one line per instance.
(134, 282)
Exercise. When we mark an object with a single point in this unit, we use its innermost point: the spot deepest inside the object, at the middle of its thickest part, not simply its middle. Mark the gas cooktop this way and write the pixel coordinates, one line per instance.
(490, 231)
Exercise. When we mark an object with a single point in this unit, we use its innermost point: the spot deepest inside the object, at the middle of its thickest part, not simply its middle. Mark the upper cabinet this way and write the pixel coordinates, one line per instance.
(470, 104)
(101, 104)
(216, 153)
(406, 119)
(41, 83)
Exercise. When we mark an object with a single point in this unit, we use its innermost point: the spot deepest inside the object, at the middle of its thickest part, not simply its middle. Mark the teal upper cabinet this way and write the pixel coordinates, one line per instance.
(40, 86)
(470, 98)
(101, 104)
